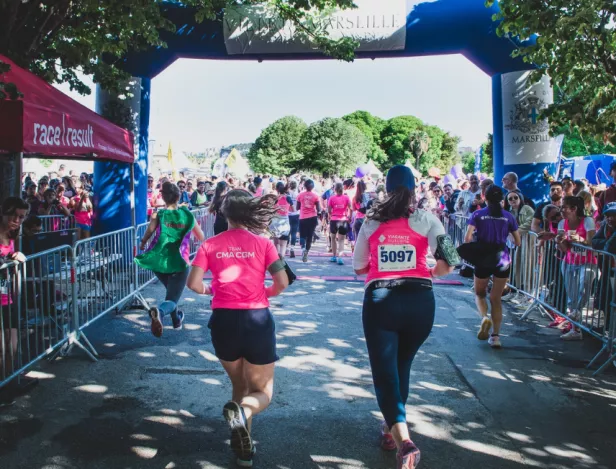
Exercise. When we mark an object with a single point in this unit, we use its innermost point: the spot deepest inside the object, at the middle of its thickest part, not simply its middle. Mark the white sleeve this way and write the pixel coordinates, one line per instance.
(361, 254)
(589, 224)
(436, 229)
(561, 225)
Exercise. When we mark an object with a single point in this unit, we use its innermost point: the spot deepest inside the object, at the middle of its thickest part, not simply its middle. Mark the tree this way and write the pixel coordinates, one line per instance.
(576, 145)
(277, 150)
(468, 162)
(574, 42)
(334, 146)
(395, 138)
(419, 143)
(55, 38)
(487, 157)
(371, 126)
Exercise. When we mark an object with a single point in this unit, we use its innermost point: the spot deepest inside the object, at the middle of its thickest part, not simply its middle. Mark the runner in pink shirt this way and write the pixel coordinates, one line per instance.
(339, 209)
(309, 207)
(242, 327)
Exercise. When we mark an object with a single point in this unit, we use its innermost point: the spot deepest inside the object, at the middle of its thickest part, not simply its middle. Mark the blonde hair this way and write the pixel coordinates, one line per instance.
(588, 199)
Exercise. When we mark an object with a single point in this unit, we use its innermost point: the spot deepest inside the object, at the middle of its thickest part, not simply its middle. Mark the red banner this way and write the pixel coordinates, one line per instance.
(46, 122)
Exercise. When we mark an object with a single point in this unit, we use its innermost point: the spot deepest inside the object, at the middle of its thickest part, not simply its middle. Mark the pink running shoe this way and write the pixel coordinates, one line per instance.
(387, 441)
(408, 456)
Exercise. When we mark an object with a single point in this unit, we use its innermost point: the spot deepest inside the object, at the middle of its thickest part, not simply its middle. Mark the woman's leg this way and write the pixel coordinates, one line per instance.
(498, 285)
(282, 247)
(8, 352)
(481, 293)
(294, 222)
(340, 239)
(311, 226)
(235, 371)
(303, 232)
(332, 241)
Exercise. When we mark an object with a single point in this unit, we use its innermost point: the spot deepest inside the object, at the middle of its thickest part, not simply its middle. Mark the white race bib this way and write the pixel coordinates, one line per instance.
(397, 257)
(4, 286)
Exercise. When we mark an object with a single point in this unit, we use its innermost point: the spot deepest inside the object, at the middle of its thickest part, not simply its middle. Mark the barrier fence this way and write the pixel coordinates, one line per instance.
(578, 285)
(48, 301)
(57, 223)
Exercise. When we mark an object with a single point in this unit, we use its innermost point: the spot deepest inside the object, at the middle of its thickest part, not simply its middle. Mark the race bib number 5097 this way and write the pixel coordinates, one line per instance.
(397, 257)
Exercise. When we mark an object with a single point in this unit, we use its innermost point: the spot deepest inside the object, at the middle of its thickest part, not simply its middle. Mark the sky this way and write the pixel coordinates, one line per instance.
(198, 104)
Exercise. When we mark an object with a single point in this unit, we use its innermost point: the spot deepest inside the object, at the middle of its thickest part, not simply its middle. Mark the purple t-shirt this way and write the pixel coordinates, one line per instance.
(491, 229)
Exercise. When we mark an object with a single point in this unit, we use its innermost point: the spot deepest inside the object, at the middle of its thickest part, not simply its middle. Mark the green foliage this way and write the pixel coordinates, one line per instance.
(371, 126)
(334, 146)
(487, 158)
(576, 145)
(468, 162)
(395, 138)
(419, 143)
(46, 163)
(55, 38)
(575, 44)
(277, 150)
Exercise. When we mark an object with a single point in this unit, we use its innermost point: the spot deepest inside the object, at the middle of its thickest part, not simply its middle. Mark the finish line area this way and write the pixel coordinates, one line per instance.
(156, 403)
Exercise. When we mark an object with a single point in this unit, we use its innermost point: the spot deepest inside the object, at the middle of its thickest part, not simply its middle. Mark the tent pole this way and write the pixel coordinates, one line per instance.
(133, 213)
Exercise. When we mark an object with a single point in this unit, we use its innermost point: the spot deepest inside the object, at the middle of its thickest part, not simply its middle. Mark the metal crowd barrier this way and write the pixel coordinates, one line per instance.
(36, 307)
(57, 223)
(579, 287)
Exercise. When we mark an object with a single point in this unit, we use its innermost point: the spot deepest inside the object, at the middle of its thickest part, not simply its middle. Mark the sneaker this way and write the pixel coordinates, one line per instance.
(387, 441)
(572, 335)
(332, 259)
(567, 328)
(305, 256)
(247, 462)
(494, 341)
(484, 330)
(177, 319)
(340, 261)
(292, 254)
(408, 456)
(241, 443)
(157, 326)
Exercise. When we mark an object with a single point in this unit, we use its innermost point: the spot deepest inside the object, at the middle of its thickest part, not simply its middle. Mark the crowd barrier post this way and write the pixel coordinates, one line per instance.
(57, 223)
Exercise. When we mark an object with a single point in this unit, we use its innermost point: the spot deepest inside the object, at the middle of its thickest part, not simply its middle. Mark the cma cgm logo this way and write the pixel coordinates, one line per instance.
(63, 136)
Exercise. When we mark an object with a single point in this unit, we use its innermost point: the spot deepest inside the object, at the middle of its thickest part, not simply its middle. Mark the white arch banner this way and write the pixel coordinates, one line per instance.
(377, 25)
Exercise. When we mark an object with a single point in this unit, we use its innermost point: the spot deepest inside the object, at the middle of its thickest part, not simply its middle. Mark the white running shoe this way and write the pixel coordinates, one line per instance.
(494, 341)
(484, 330)
(572, 335)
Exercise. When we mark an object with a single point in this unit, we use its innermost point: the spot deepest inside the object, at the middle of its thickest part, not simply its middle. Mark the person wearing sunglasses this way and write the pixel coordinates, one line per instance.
(184, 198)
(521, 211)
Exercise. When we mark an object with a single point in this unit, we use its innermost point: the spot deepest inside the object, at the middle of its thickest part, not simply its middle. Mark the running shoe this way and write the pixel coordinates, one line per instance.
(305, 256)
(157, 326)
(494, 341)
(247, 462)
(387, 441)
(332, 259)
(177, 318)
(292, 254)
(572, 335)
(408, 456)
(340, 261)
(484, 330)
(241, 443)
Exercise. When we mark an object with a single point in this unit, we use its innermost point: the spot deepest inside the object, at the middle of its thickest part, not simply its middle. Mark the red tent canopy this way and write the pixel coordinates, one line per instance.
(47, 122)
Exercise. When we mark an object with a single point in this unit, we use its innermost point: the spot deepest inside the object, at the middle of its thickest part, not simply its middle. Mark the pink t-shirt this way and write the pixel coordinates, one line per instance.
(5, 298)
(397, 251)
(238, 260)
(83, 216)
(308, 201)
(358, 214)
(339, 205)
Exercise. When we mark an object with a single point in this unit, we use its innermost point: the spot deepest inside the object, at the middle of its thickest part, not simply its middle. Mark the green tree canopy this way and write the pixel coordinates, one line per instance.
(468, 162)
(577, 145)
(487, 158)
(575, 45)
(395, 138)
(371, 126)
(277, 150)
(334, 146)
(54, 38)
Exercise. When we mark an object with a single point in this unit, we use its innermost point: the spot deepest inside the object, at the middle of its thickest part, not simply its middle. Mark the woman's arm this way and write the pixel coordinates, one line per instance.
(470, 231)
(198, 232)
(281, 281)
(195, 281)
(517, 240)
(361, 253)
(63, 209)
(441, 268)
(149, 231)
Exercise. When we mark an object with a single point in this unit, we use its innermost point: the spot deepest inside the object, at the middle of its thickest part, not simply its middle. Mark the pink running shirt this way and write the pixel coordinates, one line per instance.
(308, 201)
(5, 250)
(83, 217)
(358, 214)
(238, 260)
(339, 205)
(397, 251)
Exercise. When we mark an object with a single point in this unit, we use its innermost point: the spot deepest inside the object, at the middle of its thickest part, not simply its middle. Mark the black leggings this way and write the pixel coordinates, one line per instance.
(306, 231)
(397, 322)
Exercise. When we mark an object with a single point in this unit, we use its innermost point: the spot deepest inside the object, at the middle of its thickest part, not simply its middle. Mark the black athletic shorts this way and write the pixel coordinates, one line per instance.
(244, 333)
(485, 272)
(339, 227)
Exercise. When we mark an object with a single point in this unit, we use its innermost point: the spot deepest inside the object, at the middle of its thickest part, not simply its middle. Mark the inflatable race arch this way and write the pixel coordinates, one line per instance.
(384, 28)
